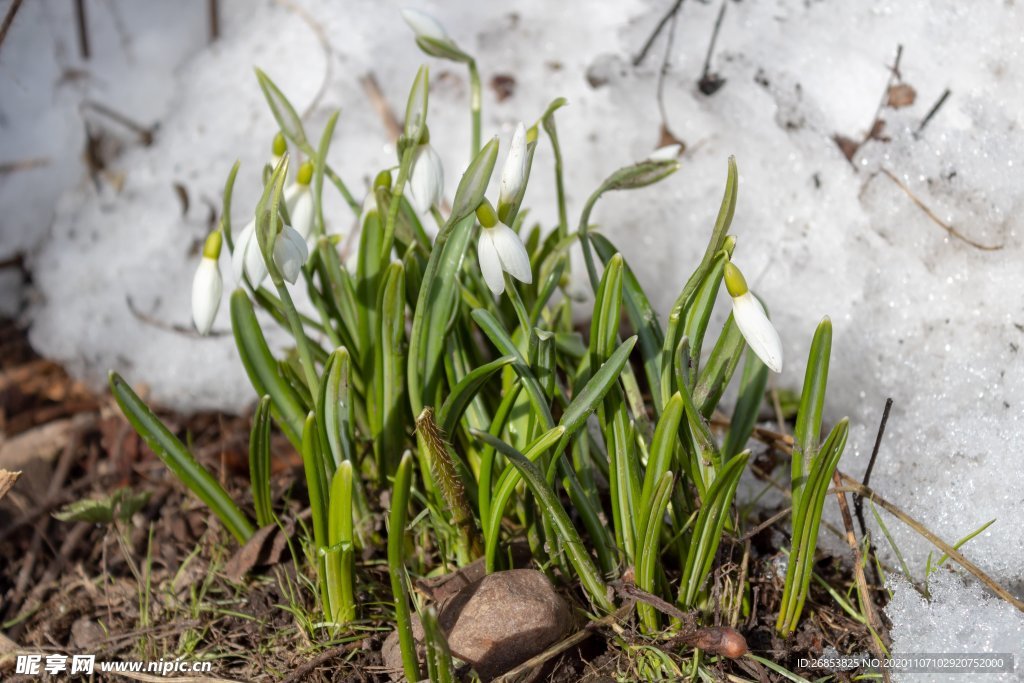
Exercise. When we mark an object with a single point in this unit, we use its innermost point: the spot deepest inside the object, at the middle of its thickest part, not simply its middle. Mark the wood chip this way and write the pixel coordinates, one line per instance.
(7, 479)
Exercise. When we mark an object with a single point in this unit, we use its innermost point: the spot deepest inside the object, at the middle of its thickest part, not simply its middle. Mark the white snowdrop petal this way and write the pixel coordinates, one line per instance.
(513, 173)
(241, 245)
(207, 287)
(490, 264)
(426, 178)
(514, 259)
(290, 253)
(255, 266)
(300, 209)
(757, 330)
(424, 25)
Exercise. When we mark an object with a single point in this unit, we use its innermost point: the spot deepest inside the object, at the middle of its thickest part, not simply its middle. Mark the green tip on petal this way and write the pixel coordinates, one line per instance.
(211, 249)
(305, 173)
(486, 215)
(280, 146)
(734, 281)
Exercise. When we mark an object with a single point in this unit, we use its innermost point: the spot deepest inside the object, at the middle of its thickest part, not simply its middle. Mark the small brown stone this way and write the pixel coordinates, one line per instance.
(495, 623)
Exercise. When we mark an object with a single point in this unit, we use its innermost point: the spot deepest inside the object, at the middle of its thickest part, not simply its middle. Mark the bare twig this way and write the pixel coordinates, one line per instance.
(709, 83)
(145, 133)
(858, 502)
(665, 63)
(638, 60)
(854, 486)
(213, 13)
(765, 524)
(953, 232)
(387, 115)
(83, 31)
(867, 604)
(22, 165)
(934, 110)
(9, 19)
(894, 77)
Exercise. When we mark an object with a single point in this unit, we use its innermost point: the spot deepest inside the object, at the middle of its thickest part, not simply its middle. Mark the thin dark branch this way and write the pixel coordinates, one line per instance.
(858, 502)
(709, 84)
(214, 19)
(638, 60)
(666, 62)
(9, 19)
(83, 32)
(894, 77)
(145, 133)
(934, 110)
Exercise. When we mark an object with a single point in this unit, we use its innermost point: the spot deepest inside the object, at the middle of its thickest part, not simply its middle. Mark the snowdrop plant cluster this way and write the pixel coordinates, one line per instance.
(443, 380)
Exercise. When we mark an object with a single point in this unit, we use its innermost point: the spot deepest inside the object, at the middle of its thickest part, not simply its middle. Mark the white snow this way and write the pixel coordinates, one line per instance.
(919, 314)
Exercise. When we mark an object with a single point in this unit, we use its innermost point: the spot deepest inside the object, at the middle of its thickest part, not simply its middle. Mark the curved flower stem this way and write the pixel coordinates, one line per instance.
(299, 333)
(396, 201)
(475, 102)
(343, 189)
(517, 304)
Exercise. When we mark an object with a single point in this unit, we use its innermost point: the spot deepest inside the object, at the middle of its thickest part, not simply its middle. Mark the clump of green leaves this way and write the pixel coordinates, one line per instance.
(487, 419)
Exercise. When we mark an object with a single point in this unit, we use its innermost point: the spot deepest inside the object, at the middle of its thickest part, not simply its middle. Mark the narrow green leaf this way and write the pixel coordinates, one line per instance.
(179, 460)
(753, 382)
(262, 368)
(340, 557)
(287, 118)
(590, 578)
(812, 404)
(466, 390)
(396, 565)
(707, 530)
(259, 463)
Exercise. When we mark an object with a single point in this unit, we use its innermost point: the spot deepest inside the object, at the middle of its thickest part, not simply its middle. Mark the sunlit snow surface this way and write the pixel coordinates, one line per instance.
(919, 315)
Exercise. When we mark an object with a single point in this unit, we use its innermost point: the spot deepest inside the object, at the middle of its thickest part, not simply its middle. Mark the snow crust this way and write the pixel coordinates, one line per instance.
(919, 314)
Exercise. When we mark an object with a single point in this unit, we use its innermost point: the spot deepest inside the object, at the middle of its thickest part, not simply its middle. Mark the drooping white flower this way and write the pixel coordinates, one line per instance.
(426, 178)
(500, 251)
(750, 317)
(298, 198)
(247, 259)
(513, 173)
(290, 253)
(207, 285)
(666, 153)
(424, 25)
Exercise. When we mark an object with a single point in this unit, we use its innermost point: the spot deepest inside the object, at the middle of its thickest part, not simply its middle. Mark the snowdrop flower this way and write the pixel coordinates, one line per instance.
(426, 178)
(207, 285)
(424, 25)
(500, 251)
(750, 317)
(513, 173)
(299, 200)
(666, 153)
(246, 259)
(290, 253)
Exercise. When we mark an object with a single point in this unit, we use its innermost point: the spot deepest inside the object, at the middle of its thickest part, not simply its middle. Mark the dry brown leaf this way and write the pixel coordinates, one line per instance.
(7, 479)
(901, 95)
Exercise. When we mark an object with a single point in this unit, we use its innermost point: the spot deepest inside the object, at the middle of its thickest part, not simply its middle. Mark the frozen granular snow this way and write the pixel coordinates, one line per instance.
(919, 314)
